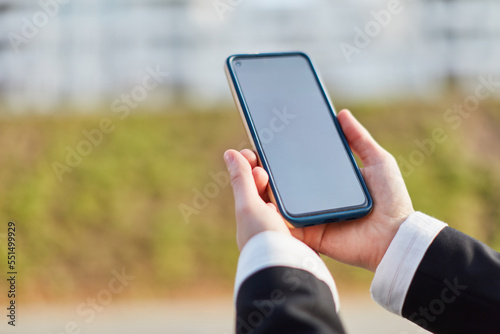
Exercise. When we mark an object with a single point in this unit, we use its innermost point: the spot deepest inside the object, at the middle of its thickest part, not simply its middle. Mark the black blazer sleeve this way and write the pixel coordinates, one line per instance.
(456, 288)
(285, 300)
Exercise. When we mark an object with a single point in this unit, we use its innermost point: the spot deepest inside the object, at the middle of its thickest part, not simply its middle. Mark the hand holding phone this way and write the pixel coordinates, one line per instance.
(362, 242)
(293, 128)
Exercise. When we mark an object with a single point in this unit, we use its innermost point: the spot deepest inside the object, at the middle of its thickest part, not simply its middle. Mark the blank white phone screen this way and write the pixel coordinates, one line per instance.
(304, 151)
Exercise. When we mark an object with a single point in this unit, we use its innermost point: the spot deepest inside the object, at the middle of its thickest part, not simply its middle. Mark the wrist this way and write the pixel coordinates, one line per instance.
(393, 224)
(247, 229)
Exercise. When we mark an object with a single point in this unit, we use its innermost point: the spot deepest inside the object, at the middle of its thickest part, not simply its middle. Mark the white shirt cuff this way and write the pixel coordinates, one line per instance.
(399, 264)
(272, 249)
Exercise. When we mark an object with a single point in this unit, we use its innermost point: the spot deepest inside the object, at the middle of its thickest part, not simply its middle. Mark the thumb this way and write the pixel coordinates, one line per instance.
(360, 140)
(244, 189)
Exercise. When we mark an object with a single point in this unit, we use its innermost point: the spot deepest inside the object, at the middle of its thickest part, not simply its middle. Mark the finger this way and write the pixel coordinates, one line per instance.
(360, 140)
(261, 181)
(251, 157)
(272, 206)
(242, 181)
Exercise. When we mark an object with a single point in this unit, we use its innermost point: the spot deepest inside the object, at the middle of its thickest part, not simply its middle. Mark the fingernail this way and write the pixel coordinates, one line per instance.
(228, 158)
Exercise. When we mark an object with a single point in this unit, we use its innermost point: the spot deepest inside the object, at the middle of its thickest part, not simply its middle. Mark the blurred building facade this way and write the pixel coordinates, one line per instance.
(87, 53)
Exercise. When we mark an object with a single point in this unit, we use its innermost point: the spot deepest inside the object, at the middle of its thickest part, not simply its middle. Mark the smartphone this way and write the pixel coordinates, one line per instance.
(291, 123)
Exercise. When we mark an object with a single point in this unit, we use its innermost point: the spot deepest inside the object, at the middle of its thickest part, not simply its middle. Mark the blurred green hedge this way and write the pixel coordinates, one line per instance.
(125, 204)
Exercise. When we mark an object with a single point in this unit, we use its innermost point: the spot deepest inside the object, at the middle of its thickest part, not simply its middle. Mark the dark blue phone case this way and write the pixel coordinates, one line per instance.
(306, 219)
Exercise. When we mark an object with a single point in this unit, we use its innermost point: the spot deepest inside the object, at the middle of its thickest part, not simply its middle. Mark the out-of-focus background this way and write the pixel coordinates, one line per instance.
(114, 116)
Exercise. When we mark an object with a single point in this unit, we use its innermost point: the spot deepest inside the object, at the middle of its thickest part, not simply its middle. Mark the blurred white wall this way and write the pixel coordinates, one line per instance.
(86, 53)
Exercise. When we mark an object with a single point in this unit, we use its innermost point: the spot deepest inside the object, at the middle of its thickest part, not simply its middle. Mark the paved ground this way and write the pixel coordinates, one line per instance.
(360, 315)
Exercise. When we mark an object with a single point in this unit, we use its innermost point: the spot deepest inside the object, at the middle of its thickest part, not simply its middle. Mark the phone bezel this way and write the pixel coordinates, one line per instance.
(310, 218)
